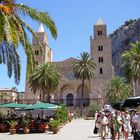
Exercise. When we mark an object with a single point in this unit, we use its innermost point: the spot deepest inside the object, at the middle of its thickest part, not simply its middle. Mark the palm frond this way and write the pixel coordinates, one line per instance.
(84, 67)
(42, 17)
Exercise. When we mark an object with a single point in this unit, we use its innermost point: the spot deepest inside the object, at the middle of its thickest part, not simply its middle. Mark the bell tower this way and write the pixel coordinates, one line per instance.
(46, 54)
(101, 52)
(41, 57)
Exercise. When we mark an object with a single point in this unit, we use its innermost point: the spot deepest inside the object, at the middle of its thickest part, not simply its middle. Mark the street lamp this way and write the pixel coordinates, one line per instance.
(100, 96)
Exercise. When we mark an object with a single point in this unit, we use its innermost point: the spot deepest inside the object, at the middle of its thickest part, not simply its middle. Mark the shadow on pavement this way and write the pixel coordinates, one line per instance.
(93, 136)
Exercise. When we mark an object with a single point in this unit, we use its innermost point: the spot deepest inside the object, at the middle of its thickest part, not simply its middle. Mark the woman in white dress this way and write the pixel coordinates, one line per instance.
(127, 126)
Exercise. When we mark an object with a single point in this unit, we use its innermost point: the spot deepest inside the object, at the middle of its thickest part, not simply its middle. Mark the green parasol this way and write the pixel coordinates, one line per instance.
(13, 105)
(42, 105)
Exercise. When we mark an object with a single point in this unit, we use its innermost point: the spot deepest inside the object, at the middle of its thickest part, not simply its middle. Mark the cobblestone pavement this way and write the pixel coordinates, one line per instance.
(78, 129)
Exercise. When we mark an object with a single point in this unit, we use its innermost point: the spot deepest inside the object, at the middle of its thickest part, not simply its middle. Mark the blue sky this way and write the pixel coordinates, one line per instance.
(74, 20)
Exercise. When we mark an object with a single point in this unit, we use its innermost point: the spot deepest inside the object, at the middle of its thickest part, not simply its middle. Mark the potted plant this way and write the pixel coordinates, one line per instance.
(54, 125)
(25, 125)
(70, 118)
(12, 124)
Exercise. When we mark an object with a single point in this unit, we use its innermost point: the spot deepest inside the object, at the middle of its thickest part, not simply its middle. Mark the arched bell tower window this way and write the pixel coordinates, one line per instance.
(100, 32)
(100, 48)
(100, 59)
(36, 52)
(101, 70)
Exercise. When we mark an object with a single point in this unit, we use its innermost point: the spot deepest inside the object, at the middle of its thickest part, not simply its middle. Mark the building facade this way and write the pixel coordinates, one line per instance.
(8, 95)
(69, 90)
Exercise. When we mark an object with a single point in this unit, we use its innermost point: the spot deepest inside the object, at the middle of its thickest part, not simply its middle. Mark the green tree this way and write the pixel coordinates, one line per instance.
(13, 32)
(83, 69)
(93, 108)
(14, 89)
(45, 79)
(131, 65)
(117, 90)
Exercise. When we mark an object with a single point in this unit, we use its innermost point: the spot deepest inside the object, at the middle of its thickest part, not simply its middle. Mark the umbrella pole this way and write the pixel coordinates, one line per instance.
(42, 113)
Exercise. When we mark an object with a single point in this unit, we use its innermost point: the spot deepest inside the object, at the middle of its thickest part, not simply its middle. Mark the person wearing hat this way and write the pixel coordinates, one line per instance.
(104, 122)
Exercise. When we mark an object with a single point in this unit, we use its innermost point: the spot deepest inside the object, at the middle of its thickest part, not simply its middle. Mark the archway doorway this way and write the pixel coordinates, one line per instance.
(69, 99)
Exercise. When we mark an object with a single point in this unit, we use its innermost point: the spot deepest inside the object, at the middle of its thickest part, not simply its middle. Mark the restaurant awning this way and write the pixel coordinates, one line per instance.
(13, 105)
(41, 105)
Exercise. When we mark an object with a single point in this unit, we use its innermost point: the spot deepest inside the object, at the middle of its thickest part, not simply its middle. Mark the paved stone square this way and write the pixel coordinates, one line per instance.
(78, 129)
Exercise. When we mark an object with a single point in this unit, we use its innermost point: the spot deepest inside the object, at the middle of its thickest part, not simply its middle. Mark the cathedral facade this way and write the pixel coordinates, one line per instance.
(69, 90)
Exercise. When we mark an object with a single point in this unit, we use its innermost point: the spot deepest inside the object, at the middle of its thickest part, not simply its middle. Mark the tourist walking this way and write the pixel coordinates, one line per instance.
(98, 122)
(136, 121)
(104, 123)
(127, 126)
(117, 125)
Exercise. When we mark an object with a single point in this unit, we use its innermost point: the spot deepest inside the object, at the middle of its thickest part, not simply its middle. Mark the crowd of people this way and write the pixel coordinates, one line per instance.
(117, 124)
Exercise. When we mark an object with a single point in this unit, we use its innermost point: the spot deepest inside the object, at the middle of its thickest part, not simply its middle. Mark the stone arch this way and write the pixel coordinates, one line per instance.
(65, 87)
(85, 95)
(66, 91)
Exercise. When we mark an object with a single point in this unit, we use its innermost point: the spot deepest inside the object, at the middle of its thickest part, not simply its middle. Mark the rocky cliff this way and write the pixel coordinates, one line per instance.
(121, 39)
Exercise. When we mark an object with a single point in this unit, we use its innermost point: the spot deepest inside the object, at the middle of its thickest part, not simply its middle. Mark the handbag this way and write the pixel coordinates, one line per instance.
(95, 131)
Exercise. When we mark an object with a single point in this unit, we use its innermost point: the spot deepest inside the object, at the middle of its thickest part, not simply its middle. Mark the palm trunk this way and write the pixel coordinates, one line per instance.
(134, 87)
(137, 87)
(40, 97)
(48, 98)
(43, 96)
(83, 82)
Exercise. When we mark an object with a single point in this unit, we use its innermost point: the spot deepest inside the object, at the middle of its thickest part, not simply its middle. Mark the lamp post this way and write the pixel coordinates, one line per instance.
(99, 97)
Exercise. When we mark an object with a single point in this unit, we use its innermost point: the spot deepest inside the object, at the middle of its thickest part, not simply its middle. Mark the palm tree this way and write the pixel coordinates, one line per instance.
(10, 57)
(45, 79)
(83, 69)
(131, 65)
(13, 32)
(117, 90)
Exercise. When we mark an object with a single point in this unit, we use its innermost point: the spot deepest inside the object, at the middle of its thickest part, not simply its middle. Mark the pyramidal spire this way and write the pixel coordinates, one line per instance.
(41, 28)
(100, 22)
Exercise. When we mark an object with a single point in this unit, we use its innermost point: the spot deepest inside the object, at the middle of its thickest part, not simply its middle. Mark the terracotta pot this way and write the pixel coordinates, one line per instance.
(26, 130)
(55, 130)
(12, 131)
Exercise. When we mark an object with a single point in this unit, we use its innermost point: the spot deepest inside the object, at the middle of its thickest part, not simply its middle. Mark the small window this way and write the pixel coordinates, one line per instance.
(100, 48)
(36, 62)
(101, 71)
(100, 59)
(36, 52)
(100, 32)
